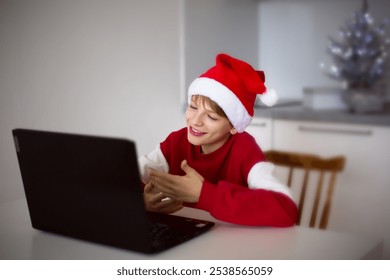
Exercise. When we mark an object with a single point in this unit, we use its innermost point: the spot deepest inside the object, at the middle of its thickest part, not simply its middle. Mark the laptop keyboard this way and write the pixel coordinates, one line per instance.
(162, 234)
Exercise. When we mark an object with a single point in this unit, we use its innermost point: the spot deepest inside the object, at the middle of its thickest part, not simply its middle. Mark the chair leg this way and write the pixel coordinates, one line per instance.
(303, 195)
(326, 211)
(317, 200)
(290, 176)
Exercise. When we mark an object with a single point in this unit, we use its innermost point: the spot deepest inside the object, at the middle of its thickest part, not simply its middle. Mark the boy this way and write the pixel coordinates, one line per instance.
(213, 164)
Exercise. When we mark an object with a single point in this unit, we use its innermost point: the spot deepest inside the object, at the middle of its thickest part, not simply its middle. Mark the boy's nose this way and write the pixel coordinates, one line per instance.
(197, 120)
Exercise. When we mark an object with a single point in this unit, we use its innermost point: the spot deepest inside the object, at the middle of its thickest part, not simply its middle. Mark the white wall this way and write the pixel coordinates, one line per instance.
(293, 36)
(218, 26)
(88, 66)
(109, 67)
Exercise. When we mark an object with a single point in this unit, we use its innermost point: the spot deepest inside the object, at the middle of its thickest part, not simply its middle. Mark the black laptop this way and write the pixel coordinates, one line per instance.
(89, 187)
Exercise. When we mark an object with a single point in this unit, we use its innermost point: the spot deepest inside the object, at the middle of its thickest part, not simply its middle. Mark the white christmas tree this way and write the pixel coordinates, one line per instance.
(360, 53)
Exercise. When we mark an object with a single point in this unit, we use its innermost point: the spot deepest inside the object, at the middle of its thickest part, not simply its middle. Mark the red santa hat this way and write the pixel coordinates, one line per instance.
(234, 85)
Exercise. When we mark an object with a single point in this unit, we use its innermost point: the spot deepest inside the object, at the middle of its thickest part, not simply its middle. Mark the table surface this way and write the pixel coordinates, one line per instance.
(18, 240)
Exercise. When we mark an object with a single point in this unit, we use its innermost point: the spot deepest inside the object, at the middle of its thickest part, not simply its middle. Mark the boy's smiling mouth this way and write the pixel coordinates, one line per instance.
(196, 132)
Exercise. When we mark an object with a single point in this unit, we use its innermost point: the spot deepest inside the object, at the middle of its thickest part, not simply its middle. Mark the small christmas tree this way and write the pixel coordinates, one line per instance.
(360, 55)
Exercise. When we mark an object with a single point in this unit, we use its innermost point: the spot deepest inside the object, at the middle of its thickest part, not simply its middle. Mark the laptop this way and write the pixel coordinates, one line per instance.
(89, 187)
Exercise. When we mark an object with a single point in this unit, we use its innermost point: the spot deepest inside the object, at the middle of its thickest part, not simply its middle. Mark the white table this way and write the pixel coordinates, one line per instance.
(18, 240)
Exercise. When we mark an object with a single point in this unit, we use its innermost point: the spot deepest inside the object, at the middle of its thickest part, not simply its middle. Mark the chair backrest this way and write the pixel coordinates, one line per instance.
(310, 163)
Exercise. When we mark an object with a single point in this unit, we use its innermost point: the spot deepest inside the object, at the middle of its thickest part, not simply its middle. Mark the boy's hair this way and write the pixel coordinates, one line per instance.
(212, 104)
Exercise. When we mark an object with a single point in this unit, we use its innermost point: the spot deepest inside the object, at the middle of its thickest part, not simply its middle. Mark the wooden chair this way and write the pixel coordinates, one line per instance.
(309, 163)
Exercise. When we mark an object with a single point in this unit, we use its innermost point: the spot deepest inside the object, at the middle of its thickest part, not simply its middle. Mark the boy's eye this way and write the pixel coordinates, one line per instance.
(192, 106)
(212, 117)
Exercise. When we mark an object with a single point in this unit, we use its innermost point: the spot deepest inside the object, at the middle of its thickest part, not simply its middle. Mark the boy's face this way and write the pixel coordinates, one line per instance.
(206, 128)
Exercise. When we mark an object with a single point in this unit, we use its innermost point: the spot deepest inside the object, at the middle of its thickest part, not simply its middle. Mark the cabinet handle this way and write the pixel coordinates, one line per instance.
(335, 130)
(262, 124)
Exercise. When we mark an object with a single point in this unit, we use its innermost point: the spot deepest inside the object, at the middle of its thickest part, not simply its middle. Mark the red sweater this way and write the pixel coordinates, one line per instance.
(238, 187)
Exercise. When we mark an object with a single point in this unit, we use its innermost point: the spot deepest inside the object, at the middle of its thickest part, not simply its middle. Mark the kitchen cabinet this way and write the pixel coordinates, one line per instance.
(261, 130)
(362, 196)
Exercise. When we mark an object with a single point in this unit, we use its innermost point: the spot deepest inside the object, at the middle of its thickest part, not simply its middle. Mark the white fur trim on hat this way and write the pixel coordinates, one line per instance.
(224, 97)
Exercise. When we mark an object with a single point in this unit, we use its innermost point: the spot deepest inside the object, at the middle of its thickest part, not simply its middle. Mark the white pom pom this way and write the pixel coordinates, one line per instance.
(270, 97)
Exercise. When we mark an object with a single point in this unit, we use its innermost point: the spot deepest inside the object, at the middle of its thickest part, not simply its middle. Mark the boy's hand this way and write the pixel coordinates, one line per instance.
(156, 201)
(182, 188)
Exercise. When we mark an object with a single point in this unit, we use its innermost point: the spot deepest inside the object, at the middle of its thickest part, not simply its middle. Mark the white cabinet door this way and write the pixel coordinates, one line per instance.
(362, 195)
(261, 130)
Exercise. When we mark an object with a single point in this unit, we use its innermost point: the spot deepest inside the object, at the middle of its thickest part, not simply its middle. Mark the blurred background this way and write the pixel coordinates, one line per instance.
(121, 68)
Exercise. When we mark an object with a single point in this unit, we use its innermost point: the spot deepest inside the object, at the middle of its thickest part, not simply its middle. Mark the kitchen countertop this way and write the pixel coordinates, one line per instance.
(296, 111)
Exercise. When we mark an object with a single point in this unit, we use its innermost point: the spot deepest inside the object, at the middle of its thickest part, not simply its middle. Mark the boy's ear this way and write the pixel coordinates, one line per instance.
(233, 131)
